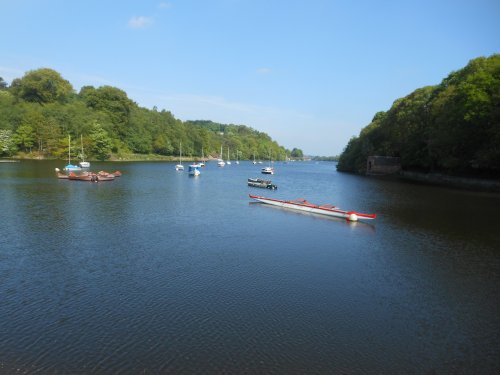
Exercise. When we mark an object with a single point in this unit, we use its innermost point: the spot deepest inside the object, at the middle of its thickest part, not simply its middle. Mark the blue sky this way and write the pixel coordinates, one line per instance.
(311, 73)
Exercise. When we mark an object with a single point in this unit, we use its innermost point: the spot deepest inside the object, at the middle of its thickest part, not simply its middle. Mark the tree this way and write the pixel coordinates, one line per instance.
(25, 137)
(7, 144)
(3, 84)
(41, 86)
(101, 143)
(297, 153)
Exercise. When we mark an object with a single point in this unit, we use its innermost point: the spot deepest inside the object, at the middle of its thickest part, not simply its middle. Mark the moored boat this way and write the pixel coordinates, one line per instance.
(220, 161)
(61, 175)
(88, 176)
(260, 183)
(325, 209)
(71, 167)
(194, 169)
(83, 163)
(180, 167)
(267, 170)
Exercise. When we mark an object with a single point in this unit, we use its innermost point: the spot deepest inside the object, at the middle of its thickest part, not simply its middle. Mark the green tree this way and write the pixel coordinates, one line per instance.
(7, 144)
(25, 137)
(297, 153)
(453, 127)
(101, 144)
(41, 86)
(3, 84)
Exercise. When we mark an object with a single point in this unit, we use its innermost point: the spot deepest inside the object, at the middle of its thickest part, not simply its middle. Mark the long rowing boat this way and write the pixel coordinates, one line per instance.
(325, 209)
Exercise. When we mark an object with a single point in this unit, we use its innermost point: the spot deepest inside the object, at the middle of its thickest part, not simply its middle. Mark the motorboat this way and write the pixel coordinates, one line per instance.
(260, 183)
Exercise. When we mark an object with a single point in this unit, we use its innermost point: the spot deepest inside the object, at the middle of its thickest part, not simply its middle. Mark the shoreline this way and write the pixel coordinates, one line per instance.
(466, 183)
(113, 158)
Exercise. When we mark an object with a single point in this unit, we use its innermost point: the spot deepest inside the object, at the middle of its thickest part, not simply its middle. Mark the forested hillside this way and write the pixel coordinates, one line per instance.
(40, 110)
(453, 127)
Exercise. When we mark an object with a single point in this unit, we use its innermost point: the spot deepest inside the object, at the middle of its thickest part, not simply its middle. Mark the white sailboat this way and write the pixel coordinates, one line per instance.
(254, 162)
(71, 167)
(83, 163)
(220, 161)
(228, 162)
(269, 169)
(202, 163)
(180, 167)
(237, 158)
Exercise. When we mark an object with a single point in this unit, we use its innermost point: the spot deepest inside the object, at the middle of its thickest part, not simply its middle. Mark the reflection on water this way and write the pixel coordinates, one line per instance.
(159, 272)
(357, 226)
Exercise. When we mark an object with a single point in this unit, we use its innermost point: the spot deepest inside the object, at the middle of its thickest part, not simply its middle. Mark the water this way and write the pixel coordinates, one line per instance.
(159, 272)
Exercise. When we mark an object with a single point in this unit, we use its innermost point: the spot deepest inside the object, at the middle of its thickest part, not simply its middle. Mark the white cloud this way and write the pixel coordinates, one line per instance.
(264, 70)
(164, 5)
(140, 22)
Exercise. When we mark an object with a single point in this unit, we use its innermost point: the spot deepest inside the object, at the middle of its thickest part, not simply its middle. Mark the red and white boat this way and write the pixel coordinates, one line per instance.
(325, 209)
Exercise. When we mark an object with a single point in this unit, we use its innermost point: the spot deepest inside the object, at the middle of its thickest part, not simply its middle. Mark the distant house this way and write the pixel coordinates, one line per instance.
(382, 165)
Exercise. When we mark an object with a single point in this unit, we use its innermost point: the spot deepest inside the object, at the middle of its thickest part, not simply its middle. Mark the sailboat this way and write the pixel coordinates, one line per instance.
(254, 162)
(220, 161)
(83, 163)
(180, 167)
(202, 163)
(71, 167)
(268, 170)
(228, 162)
(237, 161)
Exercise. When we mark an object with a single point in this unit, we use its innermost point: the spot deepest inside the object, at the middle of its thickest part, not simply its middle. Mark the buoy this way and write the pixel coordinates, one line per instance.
(353, 217)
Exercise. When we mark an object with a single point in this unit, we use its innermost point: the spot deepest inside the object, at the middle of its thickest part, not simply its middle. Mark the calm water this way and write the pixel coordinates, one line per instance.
(160, 272)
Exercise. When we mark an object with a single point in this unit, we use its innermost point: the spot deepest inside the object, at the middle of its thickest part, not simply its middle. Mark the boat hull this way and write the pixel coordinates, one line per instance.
(302, 205)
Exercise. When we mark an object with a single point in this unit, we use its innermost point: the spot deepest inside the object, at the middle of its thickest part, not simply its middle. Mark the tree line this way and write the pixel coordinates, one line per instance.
(40, 110)
(452, 128)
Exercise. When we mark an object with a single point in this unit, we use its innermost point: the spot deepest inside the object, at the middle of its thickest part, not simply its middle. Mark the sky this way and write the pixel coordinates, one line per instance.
(311, 74)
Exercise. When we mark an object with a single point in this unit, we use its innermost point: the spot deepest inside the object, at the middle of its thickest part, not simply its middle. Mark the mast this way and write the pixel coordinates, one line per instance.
(81, 140)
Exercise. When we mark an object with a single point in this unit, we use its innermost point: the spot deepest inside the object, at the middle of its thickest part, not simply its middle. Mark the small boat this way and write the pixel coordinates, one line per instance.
(91, 177)
(71, 167)
(220, 161)
(267, 170)
(83, 163)
(180, 167)
(325, 209)
(194, 170)
(228, 162)
(260, 183)
(61, 175)
(202, 163)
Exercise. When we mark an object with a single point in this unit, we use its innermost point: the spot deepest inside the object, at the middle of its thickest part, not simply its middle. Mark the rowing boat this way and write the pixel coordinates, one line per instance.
(325, 209)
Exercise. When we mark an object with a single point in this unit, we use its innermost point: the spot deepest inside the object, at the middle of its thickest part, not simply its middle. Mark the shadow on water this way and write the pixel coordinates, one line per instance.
(358, 226)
